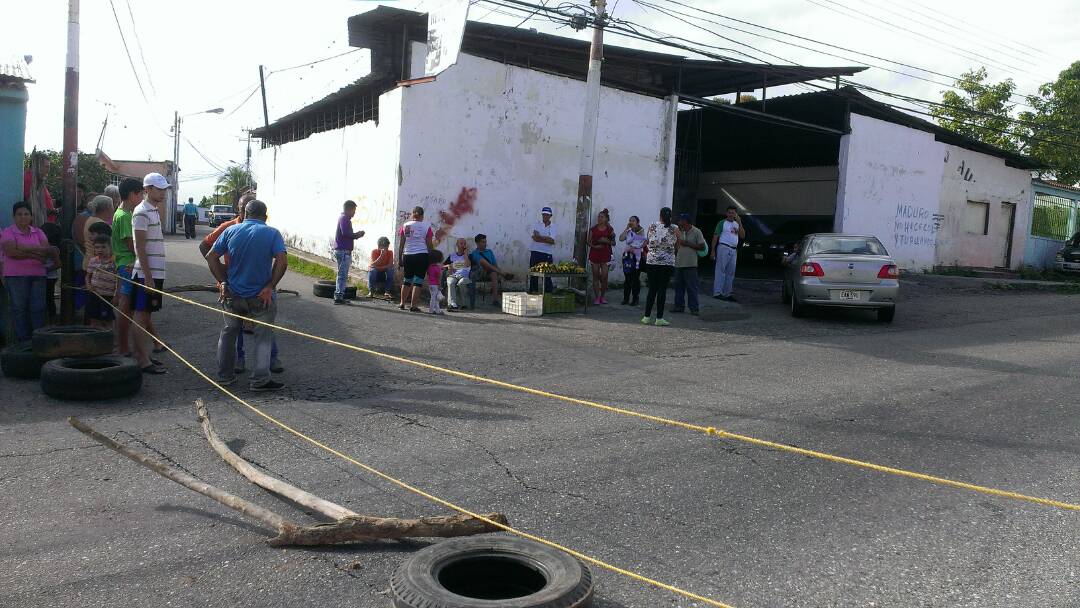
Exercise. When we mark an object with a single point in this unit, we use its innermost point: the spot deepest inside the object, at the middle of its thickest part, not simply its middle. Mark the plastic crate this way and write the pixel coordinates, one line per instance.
(522, 304)
(555, 303)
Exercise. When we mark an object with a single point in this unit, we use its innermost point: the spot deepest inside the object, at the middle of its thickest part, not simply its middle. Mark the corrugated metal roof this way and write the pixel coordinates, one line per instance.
(14, 69)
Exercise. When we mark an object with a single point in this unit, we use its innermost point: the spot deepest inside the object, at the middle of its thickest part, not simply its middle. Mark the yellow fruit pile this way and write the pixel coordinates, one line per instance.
(569, 267)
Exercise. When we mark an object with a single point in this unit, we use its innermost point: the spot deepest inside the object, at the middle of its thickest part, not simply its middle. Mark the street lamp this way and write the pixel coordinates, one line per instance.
(171, 204)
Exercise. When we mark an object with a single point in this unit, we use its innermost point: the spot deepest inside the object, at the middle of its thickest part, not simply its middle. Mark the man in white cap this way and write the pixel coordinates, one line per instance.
(149, 269)
(543, 246)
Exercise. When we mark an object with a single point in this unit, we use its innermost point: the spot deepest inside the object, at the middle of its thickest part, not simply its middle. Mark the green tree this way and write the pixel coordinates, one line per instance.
(233, 183)
(1055, 120)
(982, 111)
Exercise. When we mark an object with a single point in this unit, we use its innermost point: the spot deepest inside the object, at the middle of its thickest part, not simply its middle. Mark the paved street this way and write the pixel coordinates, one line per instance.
(969, 383)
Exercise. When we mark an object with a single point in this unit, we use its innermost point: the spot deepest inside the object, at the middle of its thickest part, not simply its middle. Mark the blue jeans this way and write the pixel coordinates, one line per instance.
(344, 262)
(27, 298)
(240, 347)
(386, 277)
(686, 282)
(535, 257)
(724, 274)
(264, 337)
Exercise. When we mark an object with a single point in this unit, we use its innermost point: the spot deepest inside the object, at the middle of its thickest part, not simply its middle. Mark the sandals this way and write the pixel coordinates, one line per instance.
(414, 309)
(153, 369)
(401, 307)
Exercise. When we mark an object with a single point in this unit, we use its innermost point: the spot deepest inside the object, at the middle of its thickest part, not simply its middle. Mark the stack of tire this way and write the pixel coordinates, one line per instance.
(74, 362)
(326, 289)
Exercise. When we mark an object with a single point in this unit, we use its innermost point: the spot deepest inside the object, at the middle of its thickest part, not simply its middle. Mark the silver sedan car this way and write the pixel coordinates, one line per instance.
(841, 270)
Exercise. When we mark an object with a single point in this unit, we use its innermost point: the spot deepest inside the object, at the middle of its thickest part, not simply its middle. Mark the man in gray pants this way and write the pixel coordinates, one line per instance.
(257, 261)
(725, 244)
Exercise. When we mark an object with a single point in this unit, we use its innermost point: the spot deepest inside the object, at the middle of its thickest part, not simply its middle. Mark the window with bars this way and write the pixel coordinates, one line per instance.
(1053, 217)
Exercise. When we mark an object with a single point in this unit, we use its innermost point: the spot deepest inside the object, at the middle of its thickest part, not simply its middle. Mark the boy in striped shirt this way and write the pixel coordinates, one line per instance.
(149, 270)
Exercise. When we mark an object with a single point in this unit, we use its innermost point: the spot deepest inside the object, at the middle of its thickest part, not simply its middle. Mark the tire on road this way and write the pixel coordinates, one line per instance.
(325, 289)
(91, 378)
(72, 341)
(798, 309)
(19, 361)
(886, 315)
(497, 570)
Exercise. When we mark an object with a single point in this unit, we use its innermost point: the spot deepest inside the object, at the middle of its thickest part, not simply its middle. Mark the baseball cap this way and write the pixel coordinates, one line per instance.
(684, 216)
(546, 210)
(156, 180)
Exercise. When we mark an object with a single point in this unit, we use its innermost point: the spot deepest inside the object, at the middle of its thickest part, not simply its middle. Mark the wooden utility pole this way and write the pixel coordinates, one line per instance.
(172, 203)
(262, 87)
(588, 138)
(70, 164)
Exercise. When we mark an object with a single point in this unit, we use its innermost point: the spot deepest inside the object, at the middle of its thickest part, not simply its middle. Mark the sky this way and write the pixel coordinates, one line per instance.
(200, 55)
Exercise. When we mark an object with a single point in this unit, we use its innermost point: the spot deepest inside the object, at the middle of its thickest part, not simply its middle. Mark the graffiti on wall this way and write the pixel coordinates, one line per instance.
(464, 204)
(965, 171)
(915, 226)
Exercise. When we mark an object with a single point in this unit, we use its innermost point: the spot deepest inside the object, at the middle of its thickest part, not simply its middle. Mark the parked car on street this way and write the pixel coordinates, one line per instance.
(219, 214)
(1068, 259)
(841, 270)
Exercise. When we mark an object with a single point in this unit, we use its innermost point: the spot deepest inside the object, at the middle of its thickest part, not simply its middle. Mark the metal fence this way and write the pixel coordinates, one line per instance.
(1053, 217)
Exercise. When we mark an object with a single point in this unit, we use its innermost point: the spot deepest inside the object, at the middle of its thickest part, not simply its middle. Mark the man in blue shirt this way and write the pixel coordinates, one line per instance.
(191, 213)
(484, 268)
(257, 261)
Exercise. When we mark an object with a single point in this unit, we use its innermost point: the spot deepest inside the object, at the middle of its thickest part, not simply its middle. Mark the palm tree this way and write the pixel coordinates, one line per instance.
(234, 182)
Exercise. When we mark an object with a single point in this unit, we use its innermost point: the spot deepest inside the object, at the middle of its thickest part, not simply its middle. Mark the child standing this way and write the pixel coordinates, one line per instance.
(434, 277)
(101, 282)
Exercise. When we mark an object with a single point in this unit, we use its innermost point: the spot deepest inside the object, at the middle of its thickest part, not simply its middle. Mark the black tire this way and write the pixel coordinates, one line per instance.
(91, 378)
(505, 571)
(72, 341)
(798, 309)
(785, 295)
(325, 289)
(20, 362)
(886, 315)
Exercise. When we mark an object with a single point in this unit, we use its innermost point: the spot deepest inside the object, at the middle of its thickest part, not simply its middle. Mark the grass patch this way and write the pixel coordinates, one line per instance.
(1047, 274)
(313, 269)
(953, 271)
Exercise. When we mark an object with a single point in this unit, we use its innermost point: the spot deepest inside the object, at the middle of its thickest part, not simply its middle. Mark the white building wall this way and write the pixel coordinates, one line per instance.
(981, 178)
(889, 187)
(506, 140)
(304, 183)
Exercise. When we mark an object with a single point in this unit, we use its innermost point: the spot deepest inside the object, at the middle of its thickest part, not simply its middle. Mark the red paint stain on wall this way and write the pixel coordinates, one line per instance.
(463, 205)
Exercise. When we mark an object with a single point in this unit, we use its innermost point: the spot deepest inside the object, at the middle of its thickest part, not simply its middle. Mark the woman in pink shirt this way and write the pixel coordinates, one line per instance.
(25, 249)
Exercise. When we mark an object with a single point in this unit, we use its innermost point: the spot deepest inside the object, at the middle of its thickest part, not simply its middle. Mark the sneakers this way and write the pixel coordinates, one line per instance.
(226, 381)
(276, 367)
(239, 367)
(270, 385)
(646, 320)
(662, 323)
(342, 303)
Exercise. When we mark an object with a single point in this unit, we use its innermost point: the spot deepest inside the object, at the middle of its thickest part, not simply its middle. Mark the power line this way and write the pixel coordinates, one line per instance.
(138, 44)
(134, 72)
(1019, 46)
(200, 153)
(304, 65)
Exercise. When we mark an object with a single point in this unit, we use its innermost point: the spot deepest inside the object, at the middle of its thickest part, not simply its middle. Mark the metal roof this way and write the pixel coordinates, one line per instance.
(645, 72)
(14, 69)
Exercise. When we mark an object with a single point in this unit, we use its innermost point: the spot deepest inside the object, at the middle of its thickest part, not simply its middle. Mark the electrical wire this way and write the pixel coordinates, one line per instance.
(138, 44)
(953, 19)
(134, 71)
(304, 65)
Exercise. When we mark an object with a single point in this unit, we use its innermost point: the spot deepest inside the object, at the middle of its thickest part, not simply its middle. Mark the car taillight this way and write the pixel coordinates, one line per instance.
(812, 269)
(888, 271)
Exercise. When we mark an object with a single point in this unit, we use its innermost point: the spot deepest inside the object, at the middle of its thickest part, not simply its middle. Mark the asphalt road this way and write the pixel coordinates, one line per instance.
(968, 383)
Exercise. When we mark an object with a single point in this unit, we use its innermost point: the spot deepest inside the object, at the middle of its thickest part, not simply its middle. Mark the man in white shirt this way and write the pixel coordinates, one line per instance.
(543, 246)
(149, 268)
(725, 247)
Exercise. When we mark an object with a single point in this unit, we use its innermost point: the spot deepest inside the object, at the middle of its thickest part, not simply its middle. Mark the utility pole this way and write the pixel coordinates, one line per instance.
(247, 163)
(588, 137)
(174, 192)
(70, 163)
(262, 87)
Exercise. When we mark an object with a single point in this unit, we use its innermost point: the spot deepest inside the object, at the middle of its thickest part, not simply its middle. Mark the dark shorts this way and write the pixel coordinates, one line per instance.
(97, 309)
(415, 266)
(147, 301)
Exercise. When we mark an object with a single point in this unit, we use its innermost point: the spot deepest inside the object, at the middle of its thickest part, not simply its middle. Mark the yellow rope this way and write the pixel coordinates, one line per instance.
(583, 557)
(651, 418)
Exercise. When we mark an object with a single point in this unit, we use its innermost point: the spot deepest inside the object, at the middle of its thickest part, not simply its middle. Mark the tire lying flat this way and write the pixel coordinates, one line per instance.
(19, 361)
(325, 289)
(91, 378)
(72, 341)
(502, 571)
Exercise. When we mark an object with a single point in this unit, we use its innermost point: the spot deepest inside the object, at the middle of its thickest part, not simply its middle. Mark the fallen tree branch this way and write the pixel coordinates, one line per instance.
(213, 289)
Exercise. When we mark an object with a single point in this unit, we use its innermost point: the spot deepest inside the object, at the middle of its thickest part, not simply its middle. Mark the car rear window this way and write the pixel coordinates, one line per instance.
(852, 245)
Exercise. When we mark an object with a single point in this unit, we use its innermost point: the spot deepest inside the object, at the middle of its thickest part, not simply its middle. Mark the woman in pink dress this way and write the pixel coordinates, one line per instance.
(601, 238)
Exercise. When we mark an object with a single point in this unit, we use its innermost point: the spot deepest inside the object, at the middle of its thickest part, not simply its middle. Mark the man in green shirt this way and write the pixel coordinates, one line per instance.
(691, 241)
(123, 247)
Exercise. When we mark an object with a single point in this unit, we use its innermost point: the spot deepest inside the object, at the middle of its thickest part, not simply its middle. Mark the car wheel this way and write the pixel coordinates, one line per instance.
(72, 341)
(91, 378)
(491, 571)
(326, 289)
(798, 309)
(885, 315)
(19, 361)
(785, 294)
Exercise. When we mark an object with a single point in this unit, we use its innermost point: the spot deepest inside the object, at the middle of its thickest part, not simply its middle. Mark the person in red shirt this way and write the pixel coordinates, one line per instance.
(44, 165)
(382, 269)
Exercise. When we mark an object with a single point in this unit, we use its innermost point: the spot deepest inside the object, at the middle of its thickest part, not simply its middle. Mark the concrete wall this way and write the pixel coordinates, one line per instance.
(486, 145)
(304, 183)
(784, 191)
(890, 182)
(12, 141)
(973, 176)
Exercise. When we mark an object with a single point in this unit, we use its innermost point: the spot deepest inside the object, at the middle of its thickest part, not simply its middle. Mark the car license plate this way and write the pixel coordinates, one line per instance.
(850, 296)
(759, 256)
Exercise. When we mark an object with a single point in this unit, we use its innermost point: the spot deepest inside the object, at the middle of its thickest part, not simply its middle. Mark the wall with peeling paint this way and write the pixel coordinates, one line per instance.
(889, 187)
(976, 177)
(487, 145)
(304, 183)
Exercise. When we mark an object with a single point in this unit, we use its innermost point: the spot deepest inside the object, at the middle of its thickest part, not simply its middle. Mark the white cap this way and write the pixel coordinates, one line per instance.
(156, 180)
